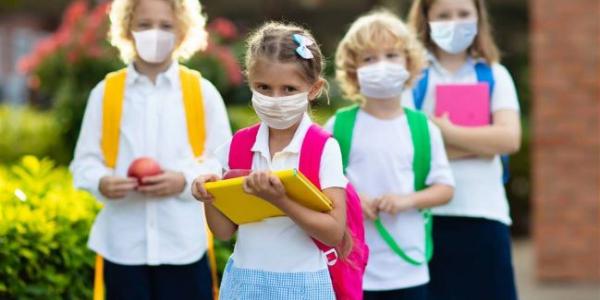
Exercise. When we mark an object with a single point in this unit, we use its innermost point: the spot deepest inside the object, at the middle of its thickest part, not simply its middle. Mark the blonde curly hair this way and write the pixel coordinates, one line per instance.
(373, 31)
(190, 20)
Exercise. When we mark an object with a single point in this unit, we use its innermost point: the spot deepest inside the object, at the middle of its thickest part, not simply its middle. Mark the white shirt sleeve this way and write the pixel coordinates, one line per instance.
(218, 132)
(505, 94)
(440, 172)
(88, 165)
(331, 172)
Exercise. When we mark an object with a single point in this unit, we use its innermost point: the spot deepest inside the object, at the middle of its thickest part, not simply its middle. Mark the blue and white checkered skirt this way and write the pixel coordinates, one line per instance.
(248, 284)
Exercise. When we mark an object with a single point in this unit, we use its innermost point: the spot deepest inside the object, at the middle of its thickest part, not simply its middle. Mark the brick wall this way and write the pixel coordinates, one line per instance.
(565, 73)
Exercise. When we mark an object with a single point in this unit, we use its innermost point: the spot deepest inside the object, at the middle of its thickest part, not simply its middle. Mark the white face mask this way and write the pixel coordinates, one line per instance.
(155, 45)
(382, 80)
(453, 36)
(280, 112)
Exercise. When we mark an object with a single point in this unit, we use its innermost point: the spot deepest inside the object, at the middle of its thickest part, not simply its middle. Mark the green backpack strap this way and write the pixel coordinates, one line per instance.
(419, 130)
(343, 128)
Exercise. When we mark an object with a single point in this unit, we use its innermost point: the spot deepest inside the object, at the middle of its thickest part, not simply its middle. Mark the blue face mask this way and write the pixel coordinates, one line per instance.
(453, 36)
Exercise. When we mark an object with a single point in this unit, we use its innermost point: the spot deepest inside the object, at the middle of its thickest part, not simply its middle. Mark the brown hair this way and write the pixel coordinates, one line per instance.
(274, 41)
(483, 47)
(371, 31)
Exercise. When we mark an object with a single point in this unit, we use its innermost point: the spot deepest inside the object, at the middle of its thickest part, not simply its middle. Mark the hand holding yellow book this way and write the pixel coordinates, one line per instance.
(242, 208)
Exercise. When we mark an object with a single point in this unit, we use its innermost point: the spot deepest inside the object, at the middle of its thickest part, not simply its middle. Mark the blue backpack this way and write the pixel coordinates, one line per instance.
(484, 74)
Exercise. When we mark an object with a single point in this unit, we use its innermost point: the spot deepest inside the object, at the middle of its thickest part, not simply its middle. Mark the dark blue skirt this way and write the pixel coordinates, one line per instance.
(471, 260)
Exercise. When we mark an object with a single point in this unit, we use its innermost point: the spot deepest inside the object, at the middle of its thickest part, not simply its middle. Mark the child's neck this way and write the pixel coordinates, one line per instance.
(280, 138)
(383, 109)
(451, 62)
(151, 70)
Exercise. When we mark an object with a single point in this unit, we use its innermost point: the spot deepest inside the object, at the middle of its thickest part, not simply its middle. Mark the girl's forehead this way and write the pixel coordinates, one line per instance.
(453, 4)
(277, 73)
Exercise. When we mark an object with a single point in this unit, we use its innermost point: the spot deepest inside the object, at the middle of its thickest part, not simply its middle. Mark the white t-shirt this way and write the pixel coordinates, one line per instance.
(479, 188)
(278, 244)
(380, 163)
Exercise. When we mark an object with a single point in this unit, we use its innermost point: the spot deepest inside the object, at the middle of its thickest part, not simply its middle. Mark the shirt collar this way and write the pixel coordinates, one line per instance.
(262, 138)
(467, 67)
(170, 76)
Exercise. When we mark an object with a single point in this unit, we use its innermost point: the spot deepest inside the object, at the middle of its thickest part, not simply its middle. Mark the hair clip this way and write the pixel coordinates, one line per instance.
(303, 43)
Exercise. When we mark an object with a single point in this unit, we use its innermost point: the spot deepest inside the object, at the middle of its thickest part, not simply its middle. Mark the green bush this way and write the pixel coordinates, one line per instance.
(44, 224)
(25, 131)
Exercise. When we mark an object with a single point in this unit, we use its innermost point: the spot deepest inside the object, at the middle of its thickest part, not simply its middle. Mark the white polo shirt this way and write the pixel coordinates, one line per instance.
(278, 244)
(479, 188)
(138, 230)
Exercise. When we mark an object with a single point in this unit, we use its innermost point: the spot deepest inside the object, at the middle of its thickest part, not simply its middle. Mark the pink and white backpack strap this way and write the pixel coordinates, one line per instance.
(311, 153)
(310, 165)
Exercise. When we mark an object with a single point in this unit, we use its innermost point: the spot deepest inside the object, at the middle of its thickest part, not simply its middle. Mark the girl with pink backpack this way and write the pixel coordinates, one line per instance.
(305, 254)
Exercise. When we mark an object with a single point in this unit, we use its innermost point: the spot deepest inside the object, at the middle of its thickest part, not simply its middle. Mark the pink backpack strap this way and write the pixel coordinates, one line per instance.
(311, 152)
(240, 150)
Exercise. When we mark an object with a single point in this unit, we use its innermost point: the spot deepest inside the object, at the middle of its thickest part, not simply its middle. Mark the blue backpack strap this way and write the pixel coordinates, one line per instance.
(485, 74)
(420, 90)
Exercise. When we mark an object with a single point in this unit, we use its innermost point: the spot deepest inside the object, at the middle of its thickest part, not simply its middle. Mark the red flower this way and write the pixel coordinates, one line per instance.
(92, 30)
(224, 28)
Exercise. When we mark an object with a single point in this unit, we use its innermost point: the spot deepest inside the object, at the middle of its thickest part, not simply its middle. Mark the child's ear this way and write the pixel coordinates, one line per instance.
(317, 89)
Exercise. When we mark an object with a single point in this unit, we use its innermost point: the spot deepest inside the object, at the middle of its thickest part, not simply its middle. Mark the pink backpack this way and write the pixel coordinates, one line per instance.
(346, 274)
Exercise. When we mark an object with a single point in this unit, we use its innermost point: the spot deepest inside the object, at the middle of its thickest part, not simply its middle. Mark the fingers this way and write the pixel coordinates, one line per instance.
(151, 180)
(386, 205)
(369, 212)
(199, 191)
(154, 189)
(116, 187)
(275, 183)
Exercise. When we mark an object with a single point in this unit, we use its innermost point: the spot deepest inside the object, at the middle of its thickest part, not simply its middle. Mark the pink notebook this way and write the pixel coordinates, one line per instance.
(467, 104)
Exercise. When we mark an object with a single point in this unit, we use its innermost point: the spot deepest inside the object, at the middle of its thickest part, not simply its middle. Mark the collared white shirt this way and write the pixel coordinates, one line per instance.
(479, 188)
(278, 244)
(138, 230)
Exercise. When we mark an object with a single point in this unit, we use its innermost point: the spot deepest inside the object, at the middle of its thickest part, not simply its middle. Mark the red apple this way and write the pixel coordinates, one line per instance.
(236, 173)
(144, 167)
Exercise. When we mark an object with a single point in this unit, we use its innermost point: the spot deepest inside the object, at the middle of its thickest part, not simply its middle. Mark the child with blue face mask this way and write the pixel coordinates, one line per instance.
(471, 233)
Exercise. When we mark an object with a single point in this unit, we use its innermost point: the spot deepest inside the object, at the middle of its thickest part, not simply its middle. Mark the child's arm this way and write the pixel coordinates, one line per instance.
(326, 227)
(502, 137)
(435, 195)
(219, 224)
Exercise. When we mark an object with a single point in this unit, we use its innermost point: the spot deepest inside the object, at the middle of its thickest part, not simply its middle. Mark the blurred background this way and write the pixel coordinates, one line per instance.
(53, 52)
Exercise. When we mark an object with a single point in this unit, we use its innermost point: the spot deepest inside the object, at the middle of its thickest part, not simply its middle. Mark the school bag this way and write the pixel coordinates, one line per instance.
(346, 274)
(484, 75)
(343, 128)
(112, 110)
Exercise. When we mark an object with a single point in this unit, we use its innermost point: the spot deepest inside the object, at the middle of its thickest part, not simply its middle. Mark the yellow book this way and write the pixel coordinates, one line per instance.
(243, 208)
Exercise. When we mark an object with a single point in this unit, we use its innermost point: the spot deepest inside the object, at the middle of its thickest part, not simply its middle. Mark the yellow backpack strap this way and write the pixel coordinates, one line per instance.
(99, 279)
(112, 109)
(191, 87)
